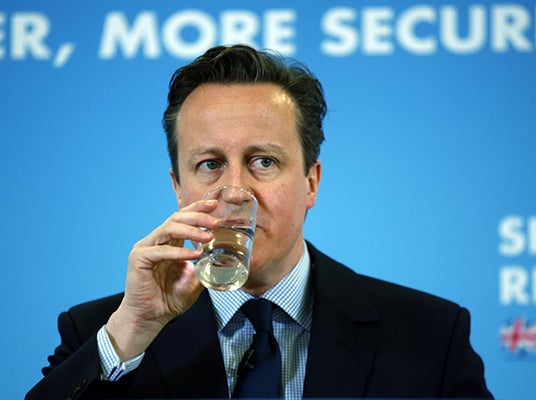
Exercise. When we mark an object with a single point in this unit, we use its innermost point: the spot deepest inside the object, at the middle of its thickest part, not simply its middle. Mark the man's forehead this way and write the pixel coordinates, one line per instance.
(264, 91)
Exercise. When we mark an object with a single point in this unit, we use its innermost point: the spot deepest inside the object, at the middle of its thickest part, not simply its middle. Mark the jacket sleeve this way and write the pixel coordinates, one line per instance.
(464, 369)
(74, 366)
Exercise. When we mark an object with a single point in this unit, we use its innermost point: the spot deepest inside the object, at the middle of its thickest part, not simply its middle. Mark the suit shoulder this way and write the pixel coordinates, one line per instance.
(383, 294)
(91, 315)
(104, 304)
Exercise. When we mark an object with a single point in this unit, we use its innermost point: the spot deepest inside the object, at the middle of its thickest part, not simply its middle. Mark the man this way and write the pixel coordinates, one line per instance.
(241, 117)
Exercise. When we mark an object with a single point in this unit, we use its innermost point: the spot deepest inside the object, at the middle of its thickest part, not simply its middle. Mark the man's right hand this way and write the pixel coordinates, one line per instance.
(161, 281)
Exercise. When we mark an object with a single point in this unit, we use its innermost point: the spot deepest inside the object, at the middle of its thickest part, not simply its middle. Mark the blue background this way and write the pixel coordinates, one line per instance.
(425, 155)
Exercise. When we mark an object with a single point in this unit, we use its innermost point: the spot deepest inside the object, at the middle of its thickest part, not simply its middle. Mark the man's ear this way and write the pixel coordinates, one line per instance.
(176, 187)
(313, 182)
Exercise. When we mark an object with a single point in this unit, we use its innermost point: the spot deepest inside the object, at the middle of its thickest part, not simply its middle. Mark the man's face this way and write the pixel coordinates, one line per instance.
(245, 135)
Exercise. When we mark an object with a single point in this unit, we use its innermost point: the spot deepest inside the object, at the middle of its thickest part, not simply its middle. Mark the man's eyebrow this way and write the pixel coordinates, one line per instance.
(267, 148)
(256, 148)
(201, 151)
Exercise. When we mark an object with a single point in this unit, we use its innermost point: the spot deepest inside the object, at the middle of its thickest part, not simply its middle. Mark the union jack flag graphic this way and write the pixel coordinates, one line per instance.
(519, 336)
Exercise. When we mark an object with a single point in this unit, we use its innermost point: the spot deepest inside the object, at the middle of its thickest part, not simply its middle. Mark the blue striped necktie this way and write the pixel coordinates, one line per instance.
(259, 372)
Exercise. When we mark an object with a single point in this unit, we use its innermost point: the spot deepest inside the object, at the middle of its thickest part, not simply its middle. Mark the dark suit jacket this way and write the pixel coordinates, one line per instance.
(369, 338)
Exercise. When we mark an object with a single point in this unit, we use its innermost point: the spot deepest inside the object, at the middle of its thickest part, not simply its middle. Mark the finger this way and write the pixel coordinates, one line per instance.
(177, 232)
(148, 257)
(194, 218)
(205, 206)
(184, 225)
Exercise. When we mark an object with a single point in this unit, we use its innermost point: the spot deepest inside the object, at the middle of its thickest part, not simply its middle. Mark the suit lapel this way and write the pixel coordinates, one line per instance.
(188, 354)
(344, 333)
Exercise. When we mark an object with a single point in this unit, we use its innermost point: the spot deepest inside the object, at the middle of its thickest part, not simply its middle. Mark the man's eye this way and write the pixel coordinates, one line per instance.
(209, 165)
(264, 162)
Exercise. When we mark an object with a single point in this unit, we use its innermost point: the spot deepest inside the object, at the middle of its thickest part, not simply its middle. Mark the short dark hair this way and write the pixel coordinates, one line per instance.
(242, 64)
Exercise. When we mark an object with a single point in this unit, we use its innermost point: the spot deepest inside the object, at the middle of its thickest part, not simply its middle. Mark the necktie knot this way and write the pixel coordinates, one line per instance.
(259, 312)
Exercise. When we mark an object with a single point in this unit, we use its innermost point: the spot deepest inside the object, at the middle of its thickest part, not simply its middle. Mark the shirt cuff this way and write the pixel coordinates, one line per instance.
(111, 368)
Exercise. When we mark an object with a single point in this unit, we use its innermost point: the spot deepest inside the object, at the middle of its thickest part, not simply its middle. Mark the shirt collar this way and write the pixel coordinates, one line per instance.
(293, 294)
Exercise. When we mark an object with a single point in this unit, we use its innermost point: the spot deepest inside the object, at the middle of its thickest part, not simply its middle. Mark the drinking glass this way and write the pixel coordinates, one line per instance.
(224, 264)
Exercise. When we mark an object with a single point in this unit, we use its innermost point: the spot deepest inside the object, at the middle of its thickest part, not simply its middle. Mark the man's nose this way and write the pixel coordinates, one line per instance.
(236, 195)
(237, 176)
